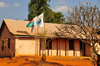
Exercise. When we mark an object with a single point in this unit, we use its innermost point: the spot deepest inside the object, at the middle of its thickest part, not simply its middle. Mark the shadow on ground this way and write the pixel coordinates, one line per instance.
(41, 63)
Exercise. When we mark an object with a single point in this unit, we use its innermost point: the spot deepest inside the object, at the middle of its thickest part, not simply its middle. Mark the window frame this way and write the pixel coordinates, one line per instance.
(9, 43)
(2, 45)
(71, 45)
(81, 43)
(49, 45)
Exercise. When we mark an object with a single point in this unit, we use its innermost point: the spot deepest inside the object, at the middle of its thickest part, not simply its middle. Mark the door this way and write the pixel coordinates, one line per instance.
(82, 49)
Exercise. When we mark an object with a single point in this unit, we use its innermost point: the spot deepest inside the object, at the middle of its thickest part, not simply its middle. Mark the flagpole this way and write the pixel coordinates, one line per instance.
(35, 42)
(36, 35)
(44, 33)
(44, 38)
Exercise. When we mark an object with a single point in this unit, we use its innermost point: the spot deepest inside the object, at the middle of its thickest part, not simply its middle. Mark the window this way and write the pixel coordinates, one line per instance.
(80, 45)
(71, 44)
(48, 44)
(2, 44)
(9, 43)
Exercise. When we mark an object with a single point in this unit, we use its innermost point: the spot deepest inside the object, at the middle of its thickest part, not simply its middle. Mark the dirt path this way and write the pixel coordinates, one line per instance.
(71, 61)
(51, 61)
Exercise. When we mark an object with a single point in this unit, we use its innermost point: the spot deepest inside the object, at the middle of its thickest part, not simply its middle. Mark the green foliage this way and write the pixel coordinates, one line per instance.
(25, 19)
(37, 7)
(70, 23)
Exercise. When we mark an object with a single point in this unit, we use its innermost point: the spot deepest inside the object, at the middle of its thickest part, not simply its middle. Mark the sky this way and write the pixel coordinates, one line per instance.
(18, 9)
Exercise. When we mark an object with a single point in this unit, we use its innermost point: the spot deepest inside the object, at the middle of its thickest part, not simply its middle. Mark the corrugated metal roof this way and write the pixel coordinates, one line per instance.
(18, 27)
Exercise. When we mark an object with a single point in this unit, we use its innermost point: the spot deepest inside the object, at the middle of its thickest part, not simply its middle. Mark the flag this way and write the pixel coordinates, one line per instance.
(32, 29)
(32, 22)
(39, 22)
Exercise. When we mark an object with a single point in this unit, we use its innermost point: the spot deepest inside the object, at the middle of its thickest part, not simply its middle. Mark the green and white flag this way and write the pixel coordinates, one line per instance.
(39, 22)
(32, 23)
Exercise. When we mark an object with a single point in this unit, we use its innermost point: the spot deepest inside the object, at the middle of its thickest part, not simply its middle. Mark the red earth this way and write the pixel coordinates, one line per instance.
(50, 61)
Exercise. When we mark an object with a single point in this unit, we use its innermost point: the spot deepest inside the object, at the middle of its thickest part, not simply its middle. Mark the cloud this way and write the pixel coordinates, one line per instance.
(16, 4)
(61, 8)
(2, 5)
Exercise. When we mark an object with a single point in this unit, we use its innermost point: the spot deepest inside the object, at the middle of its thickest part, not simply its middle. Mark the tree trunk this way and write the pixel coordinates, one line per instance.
(11, 56)
(98, 61)
(43, 58)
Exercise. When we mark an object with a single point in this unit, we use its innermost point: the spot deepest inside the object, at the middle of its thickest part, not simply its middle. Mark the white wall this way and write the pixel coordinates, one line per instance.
(26, 46)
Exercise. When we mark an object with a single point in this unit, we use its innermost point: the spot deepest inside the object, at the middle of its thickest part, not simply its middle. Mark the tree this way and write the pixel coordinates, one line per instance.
(86, 20)
(5, 44)
(45, 40)
(37, 7)
(25, 19)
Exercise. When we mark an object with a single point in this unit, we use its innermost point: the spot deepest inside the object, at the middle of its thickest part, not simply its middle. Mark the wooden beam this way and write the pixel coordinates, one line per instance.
(84, 50)
(74, 48)
(65, 46)
(40, 48)
(57, 46)
(48, 49)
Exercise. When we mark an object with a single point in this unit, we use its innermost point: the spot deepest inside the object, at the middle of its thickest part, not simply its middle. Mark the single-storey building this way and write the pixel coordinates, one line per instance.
(14, 35)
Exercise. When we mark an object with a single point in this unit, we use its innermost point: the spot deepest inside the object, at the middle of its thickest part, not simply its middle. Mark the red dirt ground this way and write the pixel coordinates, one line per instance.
(50, 61)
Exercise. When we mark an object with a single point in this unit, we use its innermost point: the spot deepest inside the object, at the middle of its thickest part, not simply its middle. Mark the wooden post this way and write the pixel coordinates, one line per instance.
(48, 45)
(37, 43)
(57, 46)
(59, 49)
(65, 46)
(40, 48)
(74, 48)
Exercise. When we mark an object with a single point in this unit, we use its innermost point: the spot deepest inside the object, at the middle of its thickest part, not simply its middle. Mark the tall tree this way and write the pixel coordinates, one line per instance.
(86, 20)
(36, 7)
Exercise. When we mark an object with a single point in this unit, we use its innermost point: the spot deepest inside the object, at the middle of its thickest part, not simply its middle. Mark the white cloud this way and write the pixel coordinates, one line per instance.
(16, 4)
(2, 5)
(61, 8)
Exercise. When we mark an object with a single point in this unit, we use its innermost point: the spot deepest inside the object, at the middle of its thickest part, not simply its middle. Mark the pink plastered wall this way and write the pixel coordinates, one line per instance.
(61, 48)
(88, 50)
(5, 34)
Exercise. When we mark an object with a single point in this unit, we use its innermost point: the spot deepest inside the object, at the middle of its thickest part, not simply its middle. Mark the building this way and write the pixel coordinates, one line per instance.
(14, 35)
